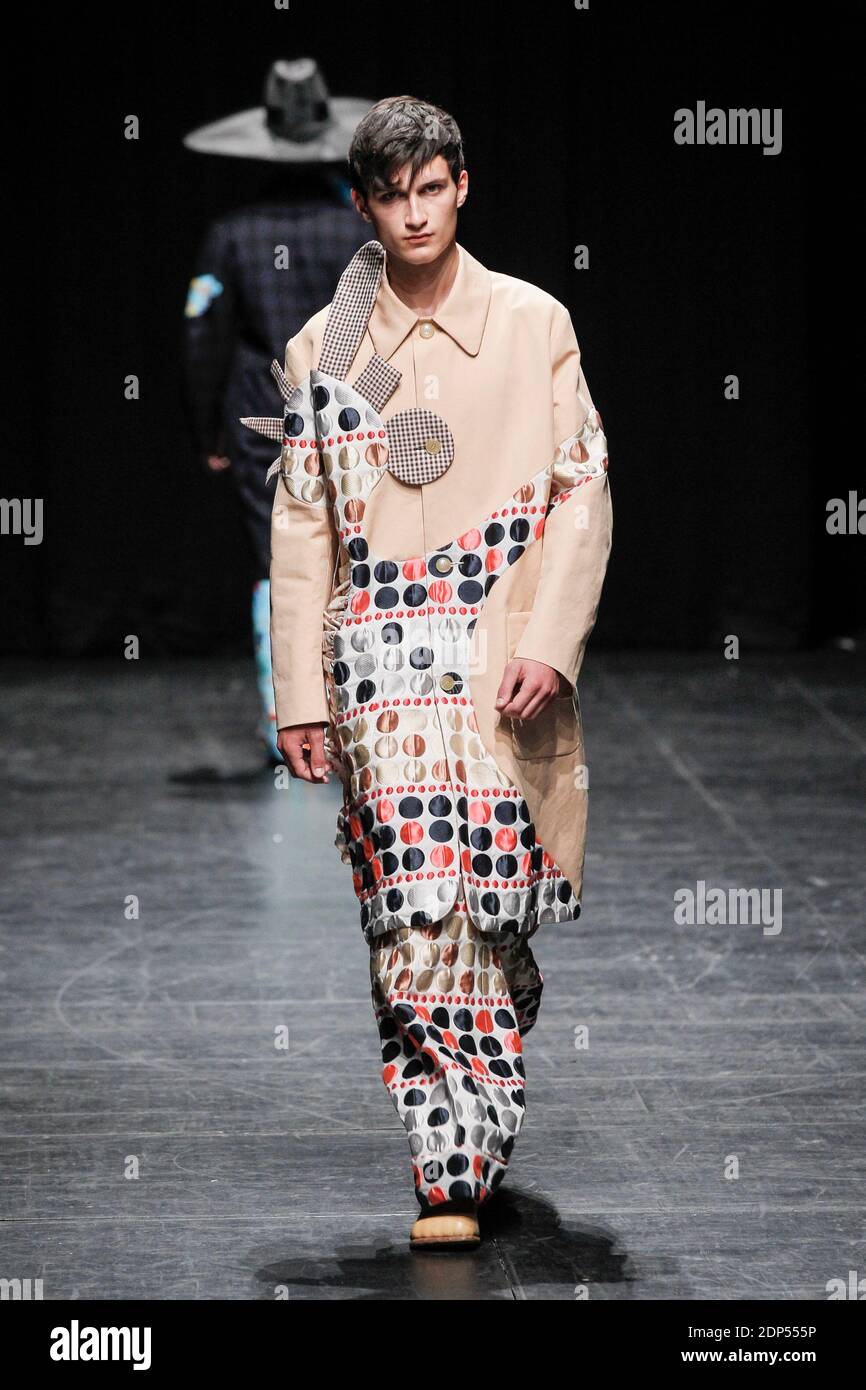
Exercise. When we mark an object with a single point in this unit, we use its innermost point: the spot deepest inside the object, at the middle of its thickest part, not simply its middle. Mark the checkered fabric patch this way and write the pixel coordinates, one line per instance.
(286, 389)
(270, 428)
(351, 308)
(377, 382)
(420, 446)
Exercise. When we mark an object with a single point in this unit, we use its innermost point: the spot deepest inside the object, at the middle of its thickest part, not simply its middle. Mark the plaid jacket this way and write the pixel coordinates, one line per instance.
(241, 309)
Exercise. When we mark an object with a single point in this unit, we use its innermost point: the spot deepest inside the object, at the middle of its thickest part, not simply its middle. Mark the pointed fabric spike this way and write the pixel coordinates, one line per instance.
(286, 388)
(350, 309)
(274, 468)
(271, 429)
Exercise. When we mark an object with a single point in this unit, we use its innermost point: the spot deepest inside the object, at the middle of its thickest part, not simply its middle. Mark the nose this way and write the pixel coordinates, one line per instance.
(415, 215)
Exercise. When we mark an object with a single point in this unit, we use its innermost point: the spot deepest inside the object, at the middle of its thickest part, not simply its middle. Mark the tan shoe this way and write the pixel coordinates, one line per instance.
(448, 1230)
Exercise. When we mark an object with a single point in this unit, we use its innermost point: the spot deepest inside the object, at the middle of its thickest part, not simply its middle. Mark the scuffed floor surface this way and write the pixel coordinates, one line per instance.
(191, 1096)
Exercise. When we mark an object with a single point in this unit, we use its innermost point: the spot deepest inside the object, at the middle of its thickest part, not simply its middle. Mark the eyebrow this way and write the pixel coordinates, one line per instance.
(393, 188)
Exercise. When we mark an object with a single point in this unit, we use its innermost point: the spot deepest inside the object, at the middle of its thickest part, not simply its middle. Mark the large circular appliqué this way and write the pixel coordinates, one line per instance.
(420, 446)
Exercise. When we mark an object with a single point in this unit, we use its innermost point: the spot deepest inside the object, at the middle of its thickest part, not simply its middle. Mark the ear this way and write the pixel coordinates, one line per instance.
(360, 205)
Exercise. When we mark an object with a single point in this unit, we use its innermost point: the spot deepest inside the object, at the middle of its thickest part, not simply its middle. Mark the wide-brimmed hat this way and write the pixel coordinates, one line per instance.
(300, 121)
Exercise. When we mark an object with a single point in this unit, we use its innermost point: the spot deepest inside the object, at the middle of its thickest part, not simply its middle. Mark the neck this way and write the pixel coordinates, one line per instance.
(424, 287)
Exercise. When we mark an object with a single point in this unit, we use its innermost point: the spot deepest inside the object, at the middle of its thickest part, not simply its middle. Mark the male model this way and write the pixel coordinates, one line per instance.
(440, 534)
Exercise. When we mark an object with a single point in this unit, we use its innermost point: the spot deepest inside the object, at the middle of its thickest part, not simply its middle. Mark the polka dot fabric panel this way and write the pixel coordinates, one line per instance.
(428, 814)
(452, 1006)
(427, 808)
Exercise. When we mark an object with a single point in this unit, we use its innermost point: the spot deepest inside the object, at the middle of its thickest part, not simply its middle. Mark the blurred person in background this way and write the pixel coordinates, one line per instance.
(260, 272)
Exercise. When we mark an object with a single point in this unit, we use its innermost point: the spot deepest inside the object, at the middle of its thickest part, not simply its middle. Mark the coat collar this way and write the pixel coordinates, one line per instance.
(462, 316)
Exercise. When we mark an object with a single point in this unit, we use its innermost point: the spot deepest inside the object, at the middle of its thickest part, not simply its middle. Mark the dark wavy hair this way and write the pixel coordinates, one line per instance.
(397, 131)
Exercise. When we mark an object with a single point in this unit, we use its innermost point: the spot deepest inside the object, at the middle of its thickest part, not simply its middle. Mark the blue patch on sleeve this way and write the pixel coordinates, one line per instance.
(203, 290)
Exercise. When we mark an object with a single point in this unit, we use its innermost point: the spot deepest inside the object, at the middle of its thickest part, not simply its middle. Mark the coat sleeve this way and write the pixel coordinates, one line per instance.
(304, 548)
(208, 338)
(578, 528)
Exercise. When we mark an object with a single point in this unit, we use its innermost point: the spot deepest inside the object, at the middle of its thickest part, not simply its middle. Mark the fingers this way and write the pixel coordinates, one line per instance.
(318, 761)
(291, 747)
(539, 700)
(507, 686)
(291, 744)
(527, 687)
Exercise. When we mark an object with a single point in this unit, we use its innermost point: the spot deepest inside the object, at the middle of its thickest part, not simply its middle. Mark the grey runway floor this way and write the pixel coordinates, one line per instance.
(156, 1143)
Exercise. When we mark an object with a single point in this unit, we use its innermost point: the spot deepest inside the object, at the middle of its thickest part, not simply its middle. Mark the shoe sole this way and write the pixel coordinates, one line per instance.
(468, 1242)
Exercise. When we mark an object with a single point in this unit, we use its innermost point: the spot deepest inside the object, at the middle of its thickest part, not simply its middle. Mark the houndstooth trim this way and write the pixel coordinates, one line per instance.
(377, 382)
(350, 309)
(409, 432)
(270, 428)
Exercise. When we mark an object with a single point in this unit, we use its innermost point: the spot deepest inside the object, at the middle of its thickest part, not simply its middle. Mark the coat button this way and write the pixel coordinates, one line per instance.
(426, 330)
(433, 446)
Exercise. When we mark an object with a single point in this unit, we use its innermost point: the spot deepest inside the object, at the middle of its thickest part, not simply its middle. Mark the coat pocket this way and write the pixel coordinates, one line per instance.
(553, 732)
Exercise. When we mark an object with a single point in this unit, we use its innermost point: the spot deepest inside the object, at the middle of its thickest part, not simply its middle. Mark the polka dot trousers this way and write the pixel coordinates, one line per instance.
(452, 1005)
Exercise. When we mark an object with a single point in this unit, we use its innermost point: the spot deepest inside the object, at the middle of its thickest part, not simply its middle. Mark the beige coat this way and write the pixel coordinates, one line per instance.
(500, 364)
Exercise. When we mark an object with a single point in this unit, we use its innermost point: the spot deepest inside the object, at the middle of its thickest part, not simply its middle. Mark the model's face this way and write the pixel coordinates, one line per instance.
(416, 221)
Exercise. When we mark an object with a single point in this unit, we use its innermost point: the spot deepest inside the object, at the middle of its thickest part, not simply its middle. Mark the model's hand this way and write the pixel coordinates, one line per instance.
(527, 687)
(291, 741)
(216, 462)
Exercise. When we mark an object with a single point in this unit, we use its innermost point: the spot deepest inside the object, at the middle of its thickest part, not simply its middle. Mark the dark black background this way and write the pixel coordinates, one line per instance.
(704, 261)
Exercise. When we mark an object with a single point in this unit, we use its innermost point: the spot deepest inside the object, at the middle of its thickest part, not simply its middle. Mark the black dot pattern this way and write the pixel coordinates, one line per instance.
(428, 812)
